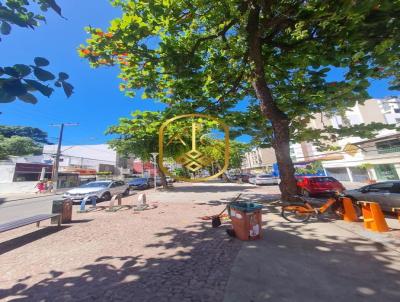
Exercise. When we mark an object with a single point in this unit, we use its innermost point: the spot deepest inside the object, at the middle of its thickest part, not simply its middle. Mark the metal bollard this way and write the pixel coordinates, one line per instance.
(112, 207)
(142, 205)
(84, 200)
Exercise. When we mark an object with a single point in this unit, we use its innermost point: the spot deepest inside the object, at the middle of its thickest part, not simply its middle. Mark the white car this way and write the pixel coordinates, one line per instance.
(103, 190)
(264, 179)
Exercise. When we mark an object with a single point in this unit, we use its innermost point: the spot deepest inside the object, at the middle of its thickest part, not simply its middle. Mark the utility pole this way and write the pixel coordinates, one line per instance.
(58, 154)
(154, 154)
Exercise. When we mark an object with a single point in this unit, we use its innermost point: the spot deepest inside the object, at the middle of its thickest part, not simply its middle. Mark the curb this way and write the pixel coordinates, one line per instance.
(33, 197)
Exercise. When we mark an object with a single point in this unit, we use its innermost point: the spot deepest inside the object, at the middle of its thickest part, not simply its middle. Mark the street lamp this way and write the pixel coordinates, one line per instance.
(154, 154)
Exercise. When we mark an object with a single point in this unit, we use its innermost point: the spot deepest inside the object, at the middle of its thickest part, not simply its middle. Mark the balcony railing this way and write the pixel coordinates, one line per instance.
(388, 150)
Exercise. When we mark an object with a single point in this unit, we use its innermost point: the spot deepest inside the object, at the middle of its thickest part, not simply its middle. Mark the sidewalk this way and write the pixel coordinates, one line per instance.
(169, 253)
(319, 261)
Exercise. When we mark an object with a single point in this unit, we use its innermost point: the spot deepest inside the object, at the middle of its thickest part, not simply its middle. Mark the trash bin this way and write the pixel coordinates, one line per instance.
(63, 207)
(246, 220)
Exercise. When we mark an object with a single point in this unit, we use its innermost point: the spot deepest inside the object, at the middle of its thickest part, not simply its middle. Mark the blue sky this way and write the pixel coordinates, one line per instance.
(97, 102)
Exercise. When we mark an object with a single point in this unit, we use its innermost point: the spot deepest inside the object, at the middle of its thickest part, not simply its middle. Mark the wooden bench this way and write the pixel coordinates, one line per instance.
(29, 220)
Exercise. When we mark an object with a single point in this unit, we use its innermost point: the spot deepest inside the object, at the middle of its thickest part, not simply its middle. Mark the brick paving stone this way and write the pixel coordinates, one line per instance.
(122, 256)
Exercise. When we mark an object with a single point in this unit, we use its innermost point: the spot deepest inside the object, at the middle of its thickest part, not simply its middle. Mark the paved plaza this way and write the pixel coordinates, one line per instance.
(168, 253)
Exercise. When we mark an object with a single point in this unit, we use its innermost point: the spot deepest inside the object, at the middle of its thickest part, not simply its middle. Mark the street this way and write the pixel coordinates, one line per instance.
(18, 209)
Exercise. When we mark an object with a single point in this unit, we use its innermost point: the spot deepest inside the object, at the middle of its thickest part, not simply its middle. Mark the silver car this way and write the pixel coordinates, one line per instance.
(103, 190)
(387, 194)
(264, 179)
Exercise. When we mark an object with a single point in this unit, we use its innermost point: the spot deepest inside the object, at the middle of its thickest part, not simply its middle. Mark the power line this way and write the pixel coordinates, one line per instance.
(67, 155)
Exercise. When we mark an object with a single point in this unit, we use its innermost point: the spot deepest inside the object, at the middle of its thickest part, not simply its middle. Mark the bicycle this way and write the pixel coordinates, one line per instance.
(302, 212)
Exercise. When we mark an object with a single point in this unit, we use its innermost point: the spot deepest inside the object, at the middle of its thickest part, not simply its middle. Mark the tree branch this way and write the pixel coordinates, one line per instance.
(221, 33)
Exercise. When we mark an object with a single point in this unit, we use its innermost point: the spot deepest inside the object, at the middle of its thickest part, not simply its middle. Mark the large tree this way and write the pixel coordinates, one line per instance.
(18, 146)
(35, 134)
(139, 136)
(214, 53)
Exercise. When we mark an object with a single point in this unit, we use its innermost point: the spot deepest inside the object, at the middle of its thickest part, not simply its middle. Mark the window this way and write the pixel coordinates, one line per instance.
(397, 110)
(390, 146)
(354, 119)
(395, 188)
(382, 187)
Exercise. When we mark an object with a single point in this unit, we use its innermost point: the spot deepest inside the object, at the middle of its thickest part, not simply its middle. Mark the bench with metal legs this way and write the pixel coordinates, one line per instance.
(29, 220)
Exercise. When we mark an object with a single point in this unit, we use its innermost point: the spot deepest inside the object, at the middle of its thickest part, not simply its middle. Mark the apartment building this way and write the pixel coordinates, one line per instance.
(258, 160)
(359, 159)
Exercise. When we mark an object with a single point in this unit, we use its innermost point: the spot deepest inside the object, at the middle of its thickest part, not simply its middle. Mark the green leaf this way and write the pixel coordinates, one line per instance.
(324, 70)
(39, 61)
(43, 75)
(28, 98)
(68, 88)
(14, 87)
(63, 76)
(54, 6)
(43, 89)
(6, 98)
(11, 72)
(5, 28)
(22, 69)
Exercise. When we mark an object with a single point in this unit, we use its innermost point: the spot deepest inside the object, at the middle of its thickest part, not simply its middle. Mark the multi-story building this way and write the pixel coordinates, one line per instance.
(84, 158)
(258, 160)
(359, 159)
(356, 159)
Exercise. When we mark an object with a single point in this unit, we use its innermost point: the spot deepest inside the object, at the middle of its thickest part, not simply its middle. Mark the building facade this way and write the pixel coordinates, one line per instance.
(357, 160)
(258, 160)
(360, 160)
(85, 159)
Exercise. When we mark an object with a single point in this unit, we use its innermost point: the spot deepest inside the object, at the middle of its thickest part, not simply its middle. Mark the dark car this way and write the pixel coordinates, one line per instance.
(314, 185)
(246, 177)
(141, 183)
(386, 193)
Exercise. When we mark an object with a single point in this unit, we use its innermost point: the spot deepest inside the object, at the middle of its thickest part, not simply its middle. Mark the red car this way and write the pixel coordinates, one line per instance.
(312, 185)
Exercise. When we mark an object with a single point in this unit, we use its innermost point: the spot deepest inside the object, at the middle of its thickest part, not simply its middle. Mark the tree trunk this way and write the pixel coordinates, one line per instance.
(223, 175)
(163, 179)
(269, 109)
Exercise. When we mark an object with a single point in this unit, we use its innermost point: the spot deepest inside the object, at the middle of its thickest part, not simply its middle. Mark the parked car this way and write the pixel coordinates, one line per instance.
(169, 179)
(386, 193)
(313, 185)
(141, 183)
(232, 177)
(246, 177)
(264, 179)
(103, 190)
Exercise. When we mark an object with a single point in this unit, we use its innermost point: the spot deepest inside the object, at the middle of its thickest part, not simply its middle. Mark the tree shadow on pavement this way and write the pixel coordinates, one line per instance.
(20, 241)
(210, 188)
(298, 263)
(291, 263)
(197, 271)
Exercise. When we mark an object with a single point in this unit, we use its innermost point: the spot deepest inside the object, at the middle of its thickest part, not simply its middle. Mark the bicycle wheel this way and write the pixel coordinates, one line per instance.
(294, 213)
